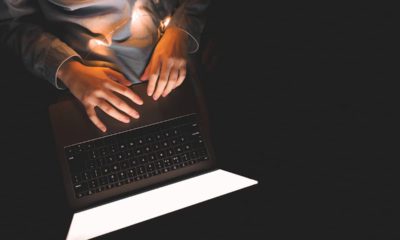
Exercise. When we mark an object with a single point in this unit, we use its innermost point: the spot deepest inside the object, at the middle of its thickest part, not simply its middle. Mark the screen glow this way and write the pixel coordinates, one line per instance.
(147, 205)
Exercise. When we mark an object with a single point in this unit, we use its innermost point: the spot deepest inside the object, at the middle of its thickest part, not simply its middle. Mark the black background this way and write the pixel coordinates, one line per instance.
(301, 98)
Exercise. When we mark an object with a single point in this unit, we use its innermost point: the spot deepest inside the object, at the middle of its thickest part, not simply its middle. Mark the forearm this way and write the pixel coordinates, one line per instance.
(190, 18)
(41, 52)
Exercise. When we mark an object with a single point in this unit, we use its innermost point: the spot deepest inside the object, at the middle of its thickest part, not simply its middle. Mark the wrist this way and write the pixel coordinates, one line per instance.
(178, 33)
(66, 69)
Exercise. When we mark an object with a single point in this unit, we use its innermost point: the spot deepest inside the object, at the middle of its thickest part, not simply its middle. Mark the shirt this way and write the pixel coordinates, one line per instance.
(120, 34)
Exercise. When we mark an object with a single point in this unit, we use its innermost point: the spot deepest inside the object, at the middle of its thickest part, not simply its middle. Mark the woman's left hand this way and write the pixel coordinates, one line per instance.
(167, 67)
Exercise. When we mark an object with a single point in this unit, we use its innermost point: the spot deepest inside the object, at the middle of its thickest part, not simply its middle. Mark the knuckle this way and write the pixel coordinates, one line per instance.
(181, 61)
(104, 84)
(170, 61)
(107, 108)
(91, 115)
(126, 92)
(86, 98)
(119, 103)
(96, 92)
(153, 77)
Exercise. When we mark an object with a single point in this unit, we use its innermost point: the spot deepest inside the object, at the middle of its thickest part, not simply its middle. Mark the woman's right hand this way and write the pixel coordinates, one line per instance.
(96, 87)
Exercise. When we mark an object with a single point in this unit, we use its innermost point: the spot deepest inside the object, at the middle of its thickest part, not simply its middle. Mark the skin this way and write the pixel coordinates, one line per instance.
(167, 67)
(96, 86)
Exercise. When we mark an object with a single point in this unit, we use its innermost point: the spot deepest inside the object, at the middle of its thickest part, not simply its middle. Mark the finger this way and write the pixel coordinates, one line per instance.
(125, 92)
(118, 77)
(145, 75)
(110, 110)
(162, 81)
(173, 78)
(154, 73)
(120, 104)
(182, 76)
(95, 120)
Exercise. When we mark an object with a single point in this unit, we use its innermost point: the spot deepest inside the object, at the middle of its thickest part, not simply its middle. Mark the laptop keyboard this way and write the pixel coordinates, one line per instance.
(137, 154)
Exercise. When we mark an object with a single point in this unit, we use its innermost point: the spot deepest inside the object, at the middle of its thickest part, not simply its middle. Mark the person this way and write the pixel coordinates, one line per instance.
(98, 48)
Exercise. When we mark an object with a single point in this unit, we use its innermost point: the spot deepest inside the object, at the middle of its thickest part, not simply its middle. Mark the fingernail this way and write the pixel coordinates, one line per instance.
(137, 116)
(103, 129)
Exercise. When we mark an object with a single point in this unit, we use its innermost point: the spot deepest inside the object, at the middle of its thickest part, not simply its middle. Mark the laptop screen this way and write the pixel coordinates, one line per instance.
(122, 213)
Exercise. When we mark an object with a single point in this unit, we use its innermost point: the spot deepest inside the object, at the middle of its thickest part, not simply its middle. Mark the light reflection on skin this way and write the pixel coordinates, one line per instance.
(164, 23)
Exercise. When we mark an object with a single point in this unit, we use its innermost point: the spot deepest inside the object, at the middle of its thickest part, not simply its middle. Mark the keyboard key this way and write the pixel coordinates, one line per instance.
(159, 164)
(76, 179)
(115, 168)
(125, 165)
(77, 162)
(156, 147)
(131, 173)
(176, 160)
(152, 157)
(167, 162)
(85, 176)
(103, 181)
(138, 152)
(143, 160)
(178, 150)
(185, 157)
(112, 178)
(122, 146)
(122, 175)
(160, 155)
(147, 149)
(129, 153)
(141, 169)
(105, 170)
(170, 152)
(134, 162)
(93, 184)
(150, 167)
(130, 156)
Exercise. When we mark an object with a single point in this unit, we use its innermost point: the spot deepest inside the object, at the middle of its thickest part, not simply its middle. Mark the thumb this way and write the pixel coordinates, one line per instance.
(118, 77)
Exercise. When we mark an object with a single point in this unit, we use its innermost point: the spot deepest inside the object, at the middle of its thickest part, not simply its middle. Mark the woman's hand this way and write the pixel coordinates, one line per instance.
(167, 67)
(96, 87)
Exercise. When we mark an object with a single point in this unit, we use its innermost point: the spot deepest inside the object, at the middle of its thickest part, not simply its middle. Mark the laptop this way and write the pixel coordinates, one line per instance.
(165, 156)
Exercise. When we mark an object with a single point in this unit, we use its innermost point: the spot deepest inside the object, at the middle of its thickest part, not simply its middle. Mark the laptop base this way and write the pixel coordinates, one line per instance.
(122, 213)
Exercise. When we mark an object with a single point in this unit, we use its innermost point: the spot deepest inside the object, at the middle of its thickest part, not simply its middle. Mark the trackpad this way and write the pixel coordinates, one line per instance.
(147, 205)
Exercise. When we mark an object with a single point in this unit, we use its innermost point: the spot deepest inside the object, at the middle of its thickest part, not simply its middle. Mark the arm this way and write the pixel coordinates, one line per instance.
(41, 52)
(190, 18)
(48, 57)
(167, 67)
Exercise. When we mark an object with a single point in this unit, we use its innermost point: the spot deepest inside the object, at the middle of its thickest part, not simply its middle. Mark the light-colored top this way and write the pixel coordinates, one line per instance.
(120, 34)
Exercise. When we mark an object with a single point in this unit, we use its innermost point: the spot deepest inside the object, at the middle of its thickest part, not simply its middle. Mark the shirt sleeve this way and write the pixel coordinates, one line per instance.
(190, 17)
(41, 52)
